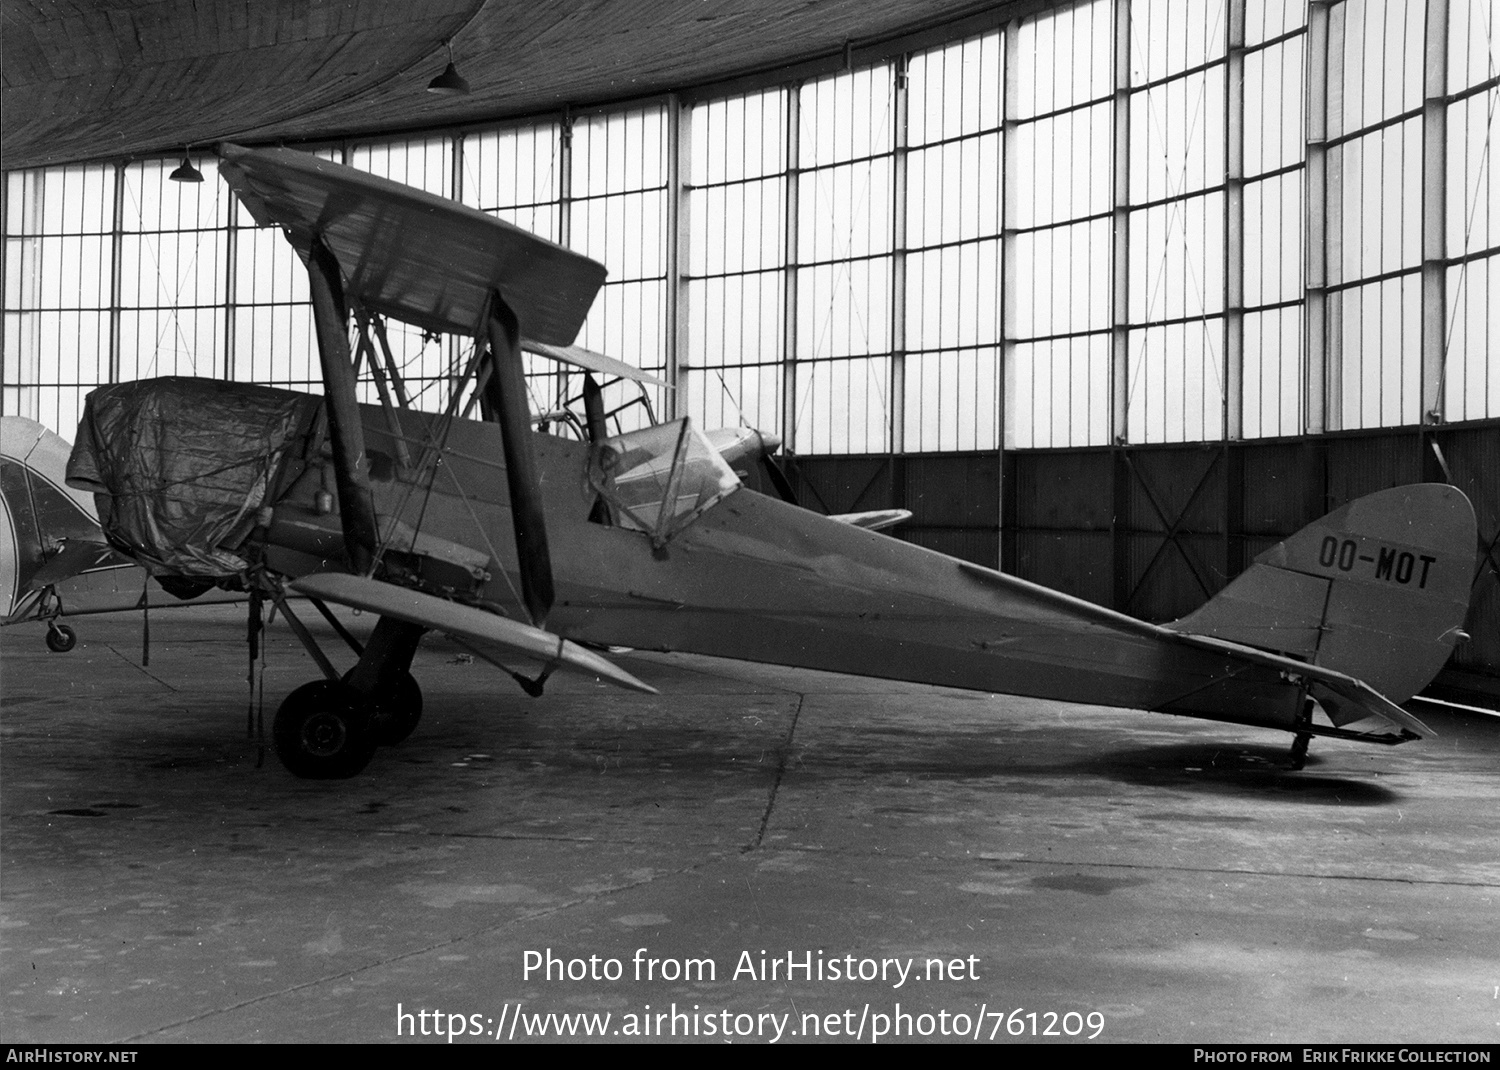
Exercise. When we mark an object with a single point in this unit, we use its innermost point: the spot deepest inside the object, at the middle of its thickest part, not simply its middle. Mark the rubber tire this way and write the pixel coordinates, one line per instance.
(394, 716)
(322, 732)
(61, 639)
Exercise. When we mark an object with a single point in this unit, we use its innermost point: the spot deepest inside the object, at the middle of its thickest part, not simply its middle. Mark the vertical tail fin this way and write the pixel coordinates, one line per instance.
(40, 514)
(1377, 589)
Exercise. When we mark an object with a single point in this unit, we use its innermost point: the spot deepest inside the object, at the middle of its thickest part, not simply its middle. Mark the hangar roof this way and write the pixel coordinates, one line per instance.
(94, 79)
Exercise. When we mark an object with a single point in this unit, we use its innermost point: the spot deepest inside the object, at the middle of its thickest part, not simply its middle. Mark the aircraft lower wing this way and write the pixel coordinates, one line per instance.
(477, 627)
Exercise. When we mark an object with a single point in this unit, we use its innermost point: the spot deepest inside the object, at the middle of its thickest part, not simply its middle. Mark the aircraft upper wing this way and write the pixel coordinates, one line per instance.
(590, 361)
(419, 258)
(484, 630)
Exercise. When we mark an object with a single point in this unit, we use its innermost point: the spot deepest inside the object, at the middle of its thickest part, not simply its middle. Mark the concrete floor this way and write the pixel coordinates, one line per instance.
(1166, 875)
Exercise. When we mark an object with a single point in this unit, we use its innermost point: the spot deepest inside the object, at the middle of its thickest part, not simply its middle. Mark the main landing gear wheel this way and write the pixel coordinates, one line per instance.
(323, 732)
(61, 638)
(394, 714)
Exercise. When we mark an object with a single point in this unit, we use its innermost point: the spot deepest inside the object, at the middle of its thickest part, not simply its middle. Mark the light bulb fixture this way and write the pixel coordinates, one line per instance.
(450, 83)
(186, 172)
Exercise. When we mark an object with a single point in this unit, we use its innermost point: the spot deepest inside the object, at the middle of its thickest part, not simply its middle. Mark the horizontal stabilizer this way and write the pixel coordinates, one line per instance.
(465, 622)
(875, 520)
(1345, 699)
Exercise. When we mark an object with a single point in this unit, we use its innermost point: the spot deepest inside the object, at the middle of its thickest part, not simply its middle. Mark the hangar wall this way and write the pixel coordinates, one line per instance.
(1123, 229)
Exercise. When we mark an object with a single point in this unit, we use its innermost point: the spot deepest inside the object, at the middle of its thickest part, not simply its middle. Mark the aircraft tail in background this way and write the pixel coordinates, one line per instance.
(53, 558)
(47, 529)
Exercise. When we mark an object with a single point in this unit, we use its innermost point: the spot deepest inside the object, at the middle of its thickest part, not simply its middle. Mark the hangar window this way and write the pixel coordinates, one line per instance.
(1059, 170)
(736, 268)
(1220, 219)
(839, 365)
(58, 290)
(1471, 365)
(947, 287)
(173, 250)
(617, 213)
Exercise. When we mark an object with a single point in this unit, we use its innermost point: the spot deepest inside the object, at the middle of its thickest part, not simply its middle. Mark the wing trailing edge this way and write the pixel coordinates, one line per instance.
(475, 626)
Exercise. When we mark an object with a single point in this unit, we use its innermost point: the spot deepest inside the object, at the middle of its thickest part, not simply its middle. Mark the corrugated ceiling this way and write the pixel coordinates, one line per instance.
(89, 79)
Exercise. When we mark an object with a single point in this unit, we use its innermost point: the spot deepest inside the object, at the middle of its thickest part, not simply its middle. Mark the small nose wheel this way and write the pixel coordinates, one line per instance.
(60, 638)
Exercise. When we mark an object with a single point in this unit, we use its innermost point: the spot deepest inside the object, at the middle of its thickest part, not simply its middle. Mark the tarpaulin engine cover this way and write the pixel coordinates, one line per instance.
(180, 466)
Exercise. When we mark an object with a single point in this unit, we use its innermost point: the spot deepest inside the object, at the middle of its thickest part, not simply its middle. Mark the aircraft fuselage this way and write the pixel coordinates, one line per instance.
(753, 578)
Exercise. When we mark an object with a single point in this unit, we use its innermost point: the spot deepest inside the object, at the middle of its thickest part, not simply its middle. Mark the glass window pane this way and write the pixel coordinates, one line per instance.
(1177, 259)
(952, 400)
(1062, 279)
(1273, 373)
(1273, 247)
(1275, 96)
(844, 309)
(1177, 382)
(1065, 58)
(1377, 352)
(1059, 393)
(842, 406)
(847, 117)
(954, 91)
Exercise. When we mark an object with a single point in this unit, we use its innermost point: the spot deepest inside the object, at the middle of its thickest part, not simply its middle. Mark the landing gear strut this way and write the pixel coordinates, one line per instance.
(1298, 757)
(329, 729)
(395, 713)
(1299, 750)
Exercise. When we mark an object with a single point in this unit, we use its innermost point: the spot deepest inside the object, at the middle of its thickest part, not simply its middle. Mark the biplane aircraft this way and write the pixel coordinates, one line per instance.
(536, 549)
